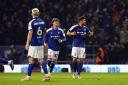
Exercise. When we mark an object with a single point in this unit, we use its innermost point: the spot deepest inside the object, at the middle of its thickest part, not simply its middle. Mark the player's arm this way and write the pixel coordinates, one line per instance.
(29, 36)
(46, 39)
(62, 37)
(90, 33)
(71, 31)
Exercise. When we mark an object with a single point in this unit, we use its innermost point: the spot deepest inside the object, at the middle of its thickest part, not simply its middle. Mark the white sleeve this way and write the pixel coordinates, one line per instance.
(72, 28)
(30, 25)
(63, 33)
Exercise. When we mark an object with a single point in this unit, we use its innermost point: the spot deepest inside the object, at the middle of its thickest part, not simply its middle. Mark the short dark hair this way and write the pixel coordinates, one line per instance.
(81, 18)
(55, 19)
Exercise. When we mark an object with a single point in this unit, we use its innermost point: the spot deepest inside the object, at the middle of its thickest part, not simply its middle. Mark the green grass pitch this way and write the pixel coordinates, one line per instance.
(66, 79)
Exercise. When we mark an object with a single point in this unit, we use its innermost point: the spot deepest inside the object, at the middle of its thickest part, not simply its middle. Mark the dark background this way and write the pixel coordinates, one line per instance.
(108, 19)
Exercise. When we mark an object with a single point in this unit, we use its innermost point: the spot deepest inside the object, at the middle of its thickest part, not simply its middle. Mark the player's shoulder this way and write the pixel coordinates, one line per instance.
(60, 29)
(76, 25)
(86, 27)
(31, 21)
(40, 19)
(37, 20)
(49, 29)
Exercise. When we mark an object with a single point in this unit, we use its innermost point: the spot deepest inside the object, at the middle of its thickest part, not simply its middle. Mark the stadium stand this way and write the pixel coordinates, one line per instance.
(107, 18)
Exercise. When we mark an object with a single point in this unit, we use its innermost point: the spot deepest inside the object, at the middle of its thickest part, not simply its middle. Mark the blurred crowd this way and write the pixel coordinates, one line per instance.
(108, 19)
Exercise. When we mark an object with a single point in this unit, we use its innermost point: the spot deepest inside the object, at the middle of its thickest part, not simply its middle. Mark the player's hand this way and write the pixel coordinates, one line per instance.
(45, 45)
(91, 34)
(60, 41)
(73, 33)
(27, 46)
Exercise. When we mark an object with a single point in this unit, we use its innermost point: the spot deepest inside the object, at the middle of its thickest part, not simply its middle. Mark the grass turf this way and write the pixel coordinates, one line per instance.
(66, 79)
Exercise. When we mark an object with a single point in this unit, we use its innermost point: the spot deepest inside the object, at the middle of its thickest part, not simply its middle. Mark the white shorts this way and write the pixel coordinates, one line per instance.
(36, 51)
(78, 52)
(53, 54)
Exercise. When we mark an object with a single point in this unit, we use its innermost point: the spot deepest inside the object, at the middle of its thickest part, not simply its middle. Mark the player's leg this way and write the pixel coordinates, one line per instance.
(4, 61)
(31, 55)
(74, 61)
(43, 64)
(80, 61)
(49, 59)
(51, 65)
(74, 67)
(52, 58)
(29, 70)
(30, 67)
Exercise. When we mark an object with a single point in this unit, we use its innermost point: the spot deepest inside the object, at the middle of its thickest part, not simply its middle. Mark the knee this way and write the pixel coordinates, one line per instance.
(53, 58)
(74, 60)
(81, 60)
(41, 61)
(30, 60)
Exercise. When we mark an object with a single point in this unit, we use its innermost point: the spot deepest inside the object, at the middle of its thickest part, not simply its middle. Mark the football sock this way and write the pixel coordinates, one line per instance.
(74, 67)
(30, 67)
(44, 67)
(52, 66)
(79, 65)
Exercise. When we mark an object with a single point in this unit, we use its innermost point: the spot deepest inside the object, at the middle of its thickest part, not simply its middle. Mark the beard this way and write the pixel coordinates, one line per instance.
(83, 23)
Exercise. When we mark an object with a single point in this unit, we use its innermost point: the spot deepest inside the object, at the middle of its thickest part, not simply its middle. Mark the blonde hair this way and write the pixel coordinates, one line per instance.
(35, 12)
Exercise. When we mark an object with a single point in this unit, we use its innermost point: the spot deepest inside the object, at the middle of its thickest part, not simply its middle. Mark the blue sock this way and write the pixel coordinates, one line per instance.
(49, 63)
(44, 67)
(80, 65)
(30, 67)
(52, 66)
(74, 67)
(3, 61)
